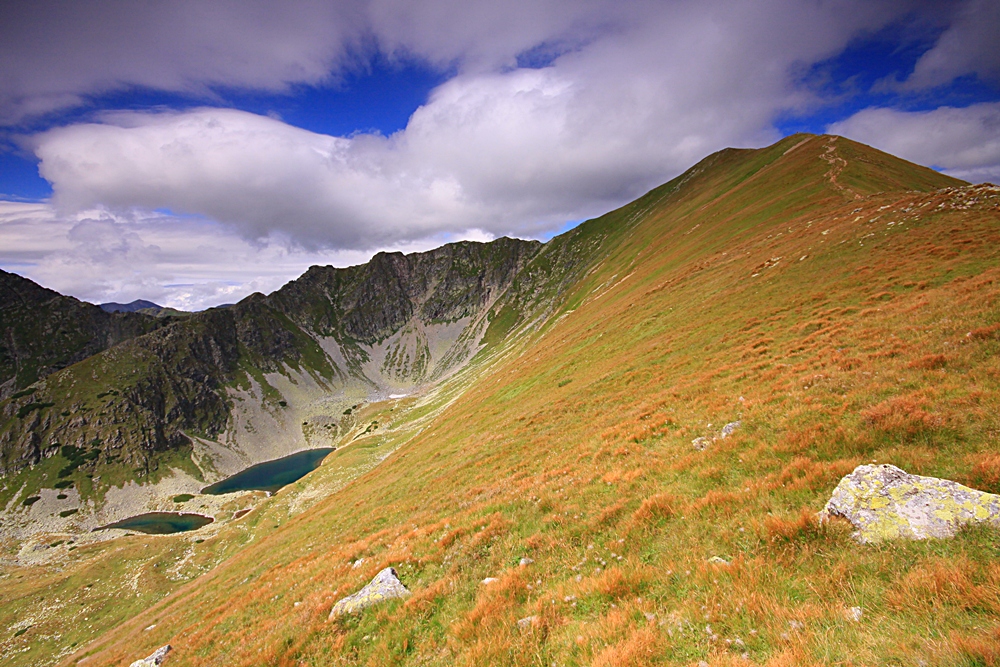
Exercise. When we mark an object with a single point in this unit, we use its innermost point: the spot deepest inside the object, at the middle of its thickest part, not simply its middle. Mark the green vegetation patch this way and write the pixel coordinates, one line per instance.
(26, 410)
(183, 497)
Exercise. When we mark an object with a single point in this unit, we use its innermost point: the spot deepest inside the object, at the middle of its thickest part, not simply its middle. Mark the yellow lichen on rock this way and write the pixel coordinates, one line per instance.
(884, 502)
(385, 586)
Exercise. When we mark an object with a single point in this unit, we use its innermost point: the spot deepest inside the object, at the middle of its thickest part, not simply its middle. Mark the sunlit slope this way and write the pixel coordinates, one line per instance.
(837, 329)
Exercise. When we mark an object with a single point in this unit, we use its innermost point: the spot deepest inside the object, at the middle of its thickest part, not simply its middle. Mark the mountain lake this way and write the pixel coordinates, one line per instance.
(271, 475)
(161, 523)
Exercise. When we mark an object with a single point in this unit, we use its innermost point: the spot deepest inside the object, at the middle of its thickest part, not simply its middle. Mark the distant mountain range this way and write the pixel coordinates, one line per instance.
(131, 307)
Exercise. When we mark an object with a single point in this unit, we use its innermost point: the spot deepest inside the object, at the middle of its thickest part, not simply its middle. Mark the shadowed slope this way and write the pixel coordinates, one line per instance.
(42, 331)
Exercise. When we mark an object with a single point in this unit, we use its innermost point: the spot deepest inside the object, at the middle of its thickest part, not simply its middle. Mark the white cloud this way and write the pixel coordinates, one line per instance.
(968, 46)
(187, 263)
(631, 94)
(964, 143)
(509, 151)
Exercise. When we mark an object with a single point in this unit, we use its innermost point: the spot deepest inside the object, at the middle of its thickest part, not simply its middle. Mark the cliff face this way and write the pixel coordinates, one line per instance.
(394, 323)
(42, 331)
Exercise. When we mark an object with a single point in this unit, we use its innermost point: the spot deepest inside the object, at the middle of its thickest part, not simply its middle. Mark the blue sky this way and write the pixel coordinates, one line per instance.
(192, 153)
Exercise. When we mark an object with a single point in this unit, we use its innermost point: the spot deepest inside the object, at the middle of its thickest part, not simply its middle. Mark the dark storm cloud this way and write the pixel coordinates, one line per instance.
(53, 53)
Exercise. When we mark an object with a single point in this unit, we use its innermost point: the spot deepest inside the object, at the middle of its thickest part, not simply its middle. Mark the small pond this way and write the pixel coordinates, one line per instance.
(271, 475)
(161, 523)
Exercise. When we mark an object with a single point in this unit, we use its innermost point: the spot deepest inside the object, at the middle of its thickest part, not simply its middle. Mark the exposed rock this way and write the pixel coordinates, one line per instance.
(853, 614)
(701, 443)
(385, 586)
(718, 560)
(728, 429)
(488, 580)
(157, 658)
(884, 502)
(525, 561)
(527, 622)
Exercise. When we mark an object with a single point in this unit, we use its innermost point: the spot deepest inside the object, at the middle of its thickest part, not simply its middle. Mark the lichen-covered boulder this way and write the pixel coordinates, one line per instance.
(155, 659)
(884, 502)
(385, 586)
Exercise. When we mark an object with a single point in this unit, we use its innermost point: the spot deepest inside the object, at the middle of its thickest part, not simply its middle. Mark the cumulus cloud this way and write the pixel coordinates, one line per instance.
(637, 96)
(967, 47)
(53, 54)
(554, 111)
(187, 263)
(964, 143)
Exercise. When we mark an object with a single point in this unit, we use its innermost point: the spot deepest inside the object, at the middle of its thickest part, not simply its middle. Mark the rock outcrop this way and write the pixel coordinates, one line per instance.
(884, 503)
(154, 660)
(385, 586)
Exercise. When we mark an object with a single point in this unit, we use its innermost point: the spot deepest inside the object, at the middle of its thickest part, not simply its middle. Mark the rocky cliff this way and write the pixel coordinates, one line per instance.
(42, 331)
(245, 378)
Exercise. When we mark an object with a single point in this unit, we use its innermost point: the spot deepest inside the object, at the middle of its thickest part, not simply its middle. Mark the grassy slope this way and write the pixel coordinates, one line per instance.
(757, 291)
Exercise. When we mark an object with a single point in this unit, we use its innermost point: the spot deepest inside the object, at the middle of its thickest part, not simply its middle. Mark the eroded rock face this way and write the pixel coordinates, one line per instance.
(884, 503)
(156, 659)
(385, 586)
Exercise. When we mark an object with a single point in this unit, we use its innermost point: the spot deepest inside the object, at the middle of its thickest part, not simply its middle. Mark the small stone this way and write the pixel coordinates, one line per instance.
(147, 628)
(155, 659)
(701, 444)
(358, 563)
(385, 586)
(488, 580)
(525, 561)
(728, 429)
(718, 560)
(853, 614)
(527, 622)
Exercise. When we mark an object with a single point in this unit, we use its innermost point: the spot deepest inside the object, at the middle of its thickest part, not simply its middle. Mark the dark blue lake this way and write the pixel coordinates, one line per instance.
(271, 475)
(161, 523)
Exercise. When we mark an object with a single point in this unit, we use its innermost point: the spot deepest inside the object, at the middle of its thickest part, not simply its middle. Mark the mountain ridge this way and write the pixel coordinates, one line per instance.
(558, 462)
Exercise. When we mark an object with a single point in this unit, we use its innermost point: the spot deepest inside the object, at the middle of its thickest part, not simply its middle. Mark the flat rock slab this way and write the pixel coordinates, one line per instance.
(884, 503)
(385, 586)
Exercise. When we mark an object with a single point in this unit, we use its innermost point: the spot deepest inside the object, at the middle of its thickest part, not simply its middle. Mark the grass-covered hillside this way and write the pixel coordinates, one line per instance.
(840, 304)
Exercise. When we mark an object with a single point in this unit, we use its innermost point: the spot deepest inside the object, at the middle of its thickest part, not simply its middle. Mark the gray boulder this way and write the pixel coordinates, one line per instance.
(884, 502)
(385, 586)
(154, 660)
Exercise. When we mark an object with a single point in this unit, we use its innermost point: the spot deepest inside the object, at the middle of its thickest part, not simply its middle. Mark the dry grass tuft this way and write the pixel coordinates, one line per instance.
(948, 583)
(980, 648)
(929, 362)
(655, 508)
(985, 473)
(804, 525)
(639, 649)
(904, 415)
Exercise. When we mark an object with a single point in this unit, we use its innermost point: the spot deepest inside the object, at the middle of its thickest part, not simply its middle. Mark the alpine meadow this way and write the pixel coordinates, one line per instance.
(629, 445)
